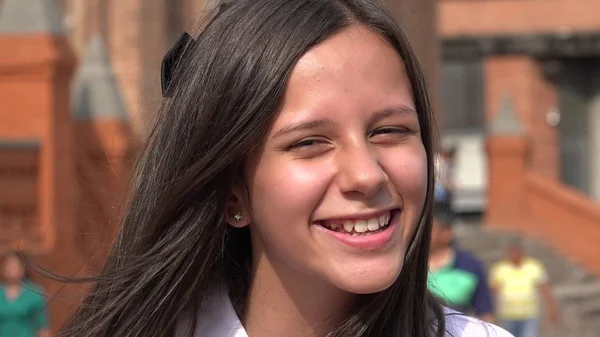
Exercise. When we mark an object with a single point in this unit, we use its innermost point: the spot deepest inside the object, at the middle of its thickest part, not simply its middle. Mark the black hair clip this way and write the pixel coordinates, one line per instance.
(176, 54)
(172, 60)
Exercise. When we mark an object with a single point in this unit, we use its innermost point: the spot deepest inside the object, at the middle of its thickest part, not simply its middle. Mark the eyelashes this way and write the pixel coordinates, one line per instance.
(388, 130)
(310, 147)
(305, 143)
(318, 144)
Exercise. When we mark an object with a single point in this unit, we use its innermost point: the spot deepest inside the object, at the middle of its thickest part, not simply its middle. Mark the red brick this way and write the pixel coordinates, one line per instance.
(490, 17)
(534, 96)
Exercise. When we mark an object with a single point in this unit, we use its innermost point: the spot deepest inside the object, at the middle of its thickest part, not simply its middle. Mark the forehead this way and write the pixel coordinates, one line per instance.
(355, 68)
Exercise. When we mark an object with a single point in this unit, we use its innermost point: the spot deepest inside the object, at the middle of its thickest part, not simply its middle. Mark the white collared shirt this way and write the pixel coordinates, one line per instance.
(218, 319)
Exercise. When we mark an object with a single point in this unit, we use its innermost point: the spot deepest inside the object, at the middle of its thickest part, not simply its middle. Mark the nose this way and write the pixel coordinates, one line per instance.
(360, 172)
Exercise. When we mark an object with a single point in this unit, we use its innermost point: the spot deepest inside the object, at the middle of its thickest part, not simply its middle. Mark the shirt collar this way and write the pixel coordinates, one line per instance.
(217, 319)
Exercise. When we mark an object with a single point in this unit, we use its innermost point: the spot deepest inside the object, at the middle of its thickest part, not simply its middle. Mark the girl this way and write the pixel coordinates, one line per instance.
(22, 304)
(285, 189)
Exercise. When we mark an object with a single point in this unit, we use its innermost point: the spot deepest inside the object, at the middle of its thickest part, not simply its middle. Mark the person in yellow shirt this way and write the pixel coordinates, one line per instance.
(517, 283)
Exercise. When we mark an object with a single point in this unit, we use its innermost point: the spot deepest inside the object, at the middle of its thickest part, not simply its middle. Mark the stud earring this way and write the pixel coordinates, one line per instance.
(238, 217)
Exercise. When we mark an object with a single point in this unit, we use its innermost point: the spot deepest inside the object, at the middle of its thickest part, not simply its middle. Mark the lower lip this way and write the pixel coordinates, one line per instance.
(366, 242)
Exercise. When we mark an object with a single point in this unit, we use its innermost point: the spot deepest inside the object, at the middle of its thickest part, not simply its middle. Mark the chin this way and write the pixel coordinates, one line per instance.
(365, 280)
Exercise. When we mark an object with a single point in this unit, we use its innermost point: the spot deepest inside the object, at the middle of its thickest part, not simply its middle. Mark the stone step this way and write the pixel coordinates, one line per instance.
(529, 246)
(491, 247)
(583, 290)
(576, 290)
(590, 310)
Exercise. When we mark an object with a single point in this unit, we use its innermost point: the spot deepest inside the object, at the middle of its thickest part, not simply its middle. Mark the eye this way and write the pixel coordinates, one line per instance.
(390, 134)
(309, 147)
(390, 129)
(305, 143)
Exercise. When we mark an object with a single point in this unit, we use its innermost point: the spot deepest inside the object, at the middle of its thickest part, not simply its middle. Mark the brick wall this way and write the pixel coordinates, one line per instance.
(124, 43)
(104, 164)
(485, 17)
(564, 217)
(533, 96)
(137, 34)
(419, 20)
(154, 43)
(35, 72)
(19, 183)
(522, 199)
(524, 190)
(506, 175)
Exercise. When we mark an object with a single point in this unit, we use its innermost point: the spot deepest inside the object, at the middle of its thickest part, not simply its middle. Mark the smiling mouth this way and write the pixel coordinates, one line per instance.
(359, 227)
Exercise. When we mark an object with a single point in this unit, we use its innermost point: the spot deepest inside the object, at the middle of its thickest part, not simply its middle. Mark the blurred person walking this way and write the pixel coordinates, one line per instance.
(22, 304)
(456, 276)
(444, 168)
(517, 281)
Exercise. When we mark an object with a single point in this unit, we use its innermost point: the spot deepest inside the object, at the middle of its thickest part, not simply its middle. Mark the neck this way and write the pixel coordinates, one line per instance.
(12, 283)
(13, 290)
(285, 302)
(440, 257)
(517, 262)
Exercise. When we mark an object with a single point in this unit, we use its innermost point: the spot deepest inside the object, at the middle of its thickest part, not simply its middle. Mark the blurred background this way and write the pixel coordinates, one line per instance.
(516, 88)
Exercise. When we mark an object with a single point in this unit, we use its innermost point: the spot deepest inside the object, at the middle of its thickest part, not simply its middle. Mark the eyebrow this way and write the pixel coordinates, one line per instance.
(313, 124)
(308, 125)
(395, 111)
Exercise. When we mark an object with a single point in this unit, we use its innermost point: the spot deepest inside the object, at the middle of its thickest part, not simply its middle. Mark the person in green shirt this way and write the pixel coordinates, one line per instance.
(22, 303)
(455, 275)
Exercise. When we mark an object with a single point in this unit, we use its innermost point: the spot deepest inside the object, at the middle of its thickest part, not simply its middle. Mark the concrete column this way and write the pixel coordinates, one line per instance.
(594, 134)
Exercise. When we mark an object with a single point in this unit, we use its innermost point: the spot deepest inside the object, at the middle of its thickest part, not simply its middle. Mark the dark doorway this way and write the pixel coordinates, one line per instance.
(576, 89)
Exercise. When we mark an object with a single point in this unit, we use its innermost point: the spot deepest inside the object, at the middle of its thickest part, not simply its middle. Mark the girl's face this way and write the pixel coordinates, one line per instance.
(337, 189)
(13, 270)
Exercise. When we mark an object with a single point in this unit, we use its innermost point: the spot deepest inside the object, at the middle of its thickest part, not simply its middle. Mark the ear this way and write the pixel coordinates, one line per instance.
(237, 213)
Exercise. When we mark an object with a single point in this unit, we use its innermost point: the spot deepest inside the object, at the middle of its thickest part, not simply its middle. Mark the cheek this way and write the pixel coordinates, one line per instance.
(407, 170)
(284, 194)
(410, 177)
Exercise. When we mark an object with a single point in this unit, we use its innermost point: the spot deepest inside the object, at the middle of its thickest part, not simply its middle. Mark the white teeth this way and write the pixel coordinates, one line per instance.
(384, 219)
(373, 224)
(360, 226)
(348, 226)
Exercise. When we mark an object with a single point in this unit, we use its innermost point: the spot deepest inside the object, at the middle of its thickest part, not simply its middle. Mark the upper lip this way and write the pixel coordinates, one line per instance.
(360, 216)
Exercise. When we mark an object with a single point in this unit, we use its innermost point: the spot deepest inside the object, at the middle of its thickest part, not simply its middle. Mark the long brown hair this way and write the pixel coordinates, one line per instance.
(174, 244)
